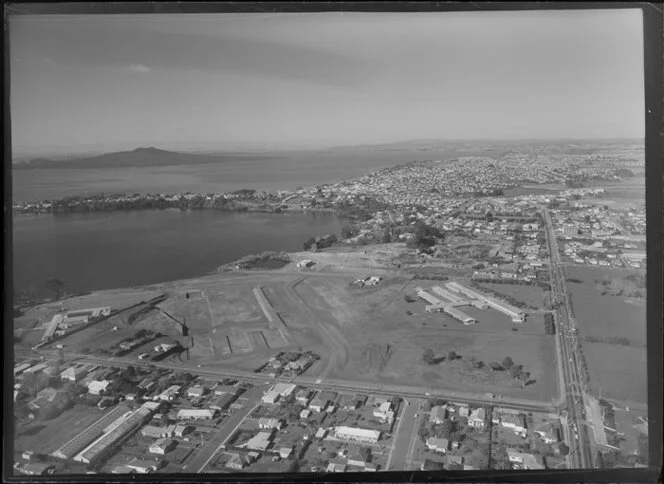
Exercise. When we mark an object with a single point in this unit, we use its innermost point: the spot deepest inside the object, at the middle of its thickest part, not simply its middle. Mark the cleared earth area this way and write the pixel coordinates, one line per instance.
(371, 333)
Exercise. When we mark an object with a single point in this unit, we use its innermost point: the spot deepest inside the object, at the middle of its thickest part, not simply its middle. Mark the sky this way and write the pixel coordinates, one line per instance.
(324, 79)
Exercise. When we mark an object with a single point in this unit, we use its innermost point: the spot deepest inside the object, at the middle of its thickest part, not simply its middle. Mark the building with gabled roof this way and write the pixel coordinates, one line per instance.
(196, 414)
(260, 441)
(437, 415)
(477, 418)
(73, 373)
(162, 446)
(438, 445)
(356, 433)
(237, 461)
(269, 423)
(548, 433)
(143, 466)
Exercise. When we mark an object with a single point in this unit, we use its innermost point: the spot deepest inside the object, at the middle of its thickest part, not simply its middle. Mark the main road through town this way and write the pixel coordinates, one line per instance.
(567, 348)
(350, 386)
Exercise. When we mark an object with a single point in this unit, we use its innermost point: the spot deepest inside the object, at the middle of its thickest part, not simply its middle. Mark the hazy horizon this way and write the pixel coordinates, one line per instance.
(45, 152)
(104, 83)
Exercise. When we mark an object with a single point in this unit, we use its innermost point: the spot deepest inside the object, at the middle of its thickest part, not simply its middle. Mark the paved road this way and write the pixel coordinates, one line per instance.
(566, 338)
(311, 382)
(207, 453)
(407, 431)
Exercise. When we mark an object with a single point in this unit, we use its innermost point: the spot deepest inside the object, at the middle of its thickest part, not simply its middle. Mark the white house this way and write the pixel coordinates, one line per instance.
(548, 433)
(271, 397)
(354, 433)
(162, 446)
(196, 413)
(438, 445)
(269, 423)
(514, 422)
(96, 387)
(170, 393)
(477, 418)
(196, 392)
(285, 452)
(260, 441)
(437, 415)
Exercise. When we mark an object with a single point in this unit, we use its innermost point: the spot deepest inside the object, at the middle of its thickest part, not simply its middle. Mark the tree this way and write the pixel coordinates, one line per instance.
(446, 429)
(496, 366)
(387, 236)
(516, 371)
(56, 287)
(507, 363)
(452, 356)
(307, 245)
(428, 356)
(346, 232)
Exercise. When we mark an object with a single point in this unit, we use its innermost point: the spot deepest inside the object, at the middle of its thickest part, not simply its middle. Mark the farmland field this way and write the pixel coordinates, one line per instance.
(605, 316)
(620, 371)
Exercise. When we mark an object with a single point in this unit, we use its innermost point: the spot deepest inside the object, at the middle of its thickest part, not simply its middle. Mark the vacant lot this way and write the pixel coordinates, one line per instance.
(403, 355)
(620, 371)
(234, 304)
(46, 437)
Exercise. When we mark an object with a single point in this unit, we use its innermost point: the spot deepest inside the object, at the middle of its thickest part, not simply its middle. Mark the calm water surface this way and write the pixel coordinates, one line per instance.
(121, 249)
(286, 172)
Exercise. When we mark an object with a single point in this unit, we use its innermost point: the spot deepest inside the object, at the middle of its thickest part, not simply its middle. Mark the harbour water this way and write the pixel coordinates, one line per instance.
(93, 251)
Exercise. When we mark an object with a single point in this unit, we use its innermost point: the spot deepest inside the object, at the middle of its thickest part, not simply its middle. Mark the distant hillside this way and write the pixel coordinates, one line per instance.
(139, 157)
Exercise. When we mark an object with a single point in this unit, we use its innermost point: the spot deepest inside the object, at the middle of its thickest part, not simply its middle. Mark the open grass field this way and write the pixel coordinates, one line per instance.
(620, 371)
(396, 359)
(605, 316)
(50, 435)
(234, 304)
(531, 295)
(194, 313)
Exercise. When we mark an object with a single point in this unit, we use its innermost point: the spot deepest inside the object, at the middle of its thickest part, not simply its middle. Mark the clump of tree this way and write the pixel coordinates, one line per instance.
(314, 244)
(267, 258)
(409, 299)
(428, 356)
(549, 325)
(425, 237)
(623, 173)
(348, 232)
(56, 287)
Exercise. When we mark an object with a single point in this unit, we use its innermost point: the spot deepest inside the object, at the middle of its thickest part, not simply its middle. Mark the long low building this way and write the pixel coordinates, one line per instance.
(84, 315)
(449, 295)
(459, 315)
(116, 433)
(355, 433)
(516, 314)
(434, 301)
(52, 326)
(84, 438)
